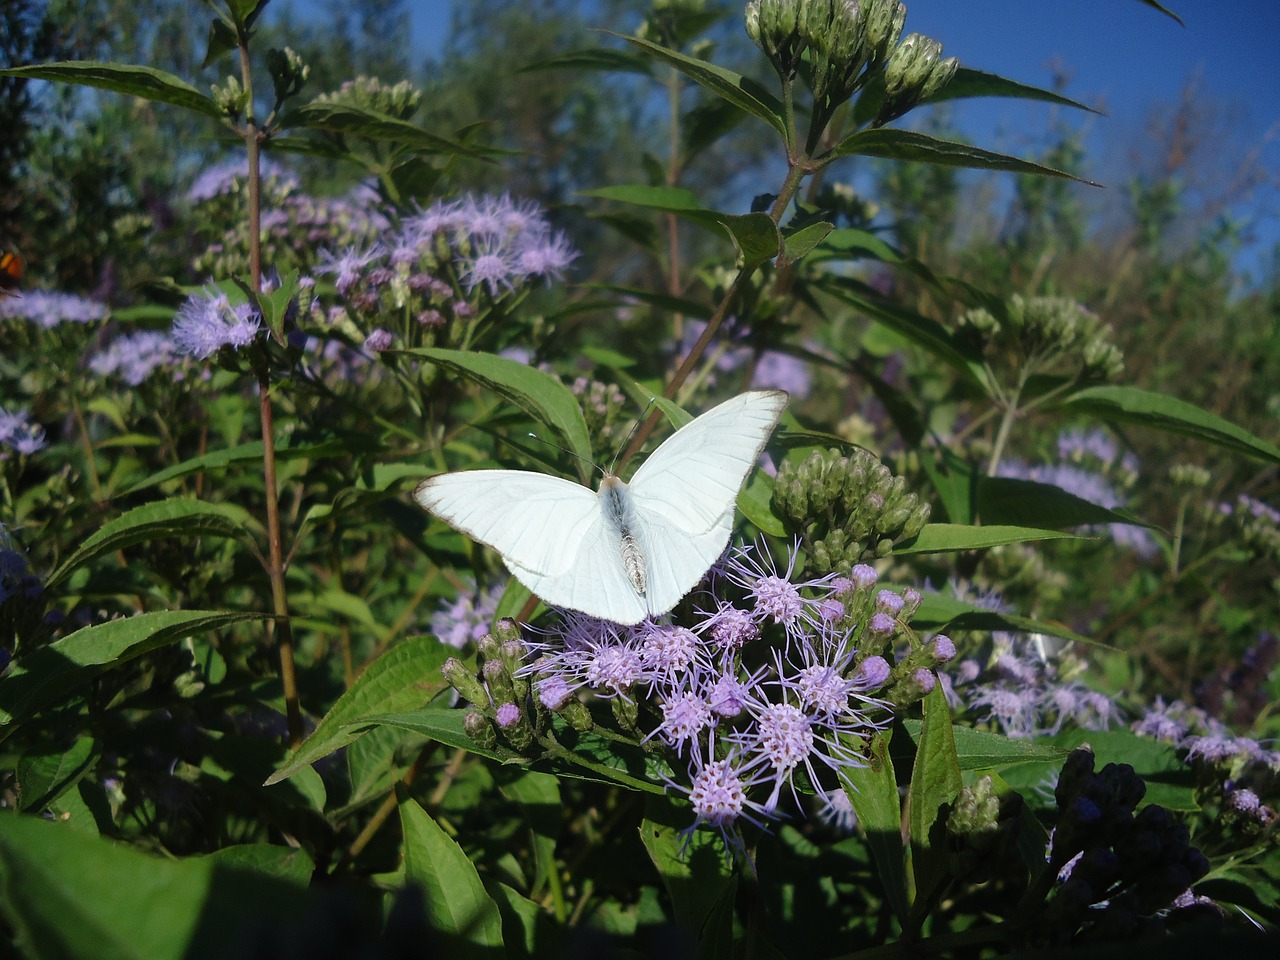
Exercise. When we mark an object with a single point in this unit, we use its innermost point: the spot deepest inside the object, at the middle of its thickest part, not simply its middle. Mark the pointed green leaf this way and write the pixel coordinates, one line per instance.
(405, 677)
(975, 83)
(1027, 503)
(693, 869)
(943, 537)
(935, 784)
(45, 674)
(134, 81)
(910, 146)
(798, 244)
(459, 909)
(593, 58)
(984, 750)
(348, 119)
(1167, 12)
(176, 517)
(538, 394)
(743, 92)
(1161, 412)
(873, 792)
(43, 777)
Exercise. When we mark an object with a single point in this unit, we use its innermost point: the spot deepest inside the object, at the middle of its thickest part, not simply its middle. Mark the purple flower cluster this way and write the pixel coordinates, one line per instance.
(207, 322)
(466, 619)
(226, 178)
(18, 434)
(135, 356)
(1243, 770)
(772, 680)
(774, 369)
(1075, 448)
(49, 309)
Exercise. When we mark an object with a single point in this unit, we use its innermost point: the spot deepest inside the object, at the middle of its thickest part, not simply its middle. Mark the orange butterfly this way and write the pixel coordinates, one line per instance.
(10, 274)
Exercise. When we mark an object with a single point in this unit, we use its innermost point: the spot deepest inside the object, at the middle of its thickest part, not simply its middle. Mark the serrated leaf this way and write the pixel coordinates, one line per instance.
(1161, 412)
(935, 784)
(176, 517)
(743, 92)
(405, 677)
(43, 777)
(910, 146)
(540, 395)
(1028, 503)
(873, 792)
(45, 674)
(135, 81)
(944, 537)
(459, 909)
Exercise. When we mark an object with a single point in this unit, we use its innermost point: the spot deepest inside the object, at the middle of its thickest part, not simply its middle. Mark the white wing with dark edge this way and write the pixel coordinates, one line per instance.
(685, 493)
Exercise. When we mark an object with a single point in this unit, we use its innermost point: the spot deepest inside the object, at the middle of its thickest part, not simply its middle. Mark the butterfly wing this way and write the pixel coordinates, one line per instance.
(550, 532)
(684, 494)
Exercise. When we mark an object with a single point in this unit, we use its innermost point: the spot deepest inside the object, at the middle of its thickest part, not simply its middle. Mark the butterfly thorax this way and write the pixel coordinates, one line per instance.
(615, 502)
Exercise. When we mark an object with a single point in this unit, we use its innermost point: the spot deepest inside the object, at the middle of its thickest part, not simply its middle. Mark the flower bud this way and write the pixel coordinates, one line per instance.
(458, 676)
(498, 680)
(480, 729)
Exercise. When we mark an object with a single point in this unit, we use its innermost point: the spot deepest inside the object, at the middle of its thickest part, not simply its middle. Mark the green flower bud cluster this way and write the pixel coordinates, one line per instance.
(982, 830)
(288, 73)
(1131, 864)
(231, 97)
(1049, 332)
(1190, 476)
(847, 41)
(605, 409)
(846, 508)
(915, 72)
(369, 93)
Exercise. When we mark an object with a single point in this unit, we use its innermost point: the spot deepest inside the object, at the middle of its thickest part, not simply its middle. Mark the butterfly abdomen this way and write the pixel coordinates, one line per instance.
(615, 502)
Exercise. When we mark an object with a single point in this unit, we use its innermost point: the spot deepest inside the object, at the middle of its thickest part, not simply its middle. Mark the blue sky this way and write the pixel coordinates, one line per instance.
(1121, 57)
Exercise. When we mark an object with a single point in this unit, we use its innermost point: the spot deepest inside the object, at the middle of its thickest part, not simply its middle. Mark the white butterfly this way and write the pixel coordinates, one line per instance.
(627, 551)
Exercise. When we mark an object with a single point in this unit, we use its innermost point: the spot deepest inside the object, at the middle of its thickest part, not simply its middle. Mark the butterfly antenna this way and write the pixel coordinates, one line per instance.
(577, 456)
(626, 444)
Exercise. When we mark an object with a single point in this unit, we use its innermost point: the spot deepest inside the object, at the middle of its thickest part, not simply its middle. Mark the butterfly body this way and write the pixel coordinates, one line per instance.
(625, 551)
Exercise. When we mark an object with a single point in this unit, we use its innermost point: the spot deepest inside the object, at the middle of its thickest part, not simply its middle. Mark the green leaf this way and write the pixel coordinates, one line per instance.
(538, 797)
(920, 330)
(755, 500)
(274, 304)
(683, 203)
(797, 244)
(67, 896)
(910, 146)
(873, 792)
(538, 394)
(1168, 13)
(176, 517)
(1027, 503)
(975, 83)
(459, 909)
(984, 750)
(943, 537)
(405, 677)
(43, 777)
(252, 452)
(350, 120)
(134, 81)
(743, 92)
(935, 784)
(41, 677)
(937, 612)
(693, 869)
(443, 724)
(593, 58)
(1161, 412)
(755, 236)
(291, 864)
(520, 923)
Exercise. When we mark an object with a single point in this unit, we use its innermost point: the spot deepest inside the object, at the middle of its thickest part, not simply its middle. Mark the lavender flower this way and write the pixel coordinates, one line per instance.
(224, 178)
(135, 356)
(19, 434)
(466, 619)
(349, 266)
(207, 322)
(379, 340)
(49, 309)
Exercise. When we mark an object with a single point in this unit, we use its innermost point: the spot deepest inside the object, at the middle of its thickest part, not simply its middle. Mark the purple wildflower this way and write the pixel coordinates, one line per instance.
(349, 266)
(135, 356)
(507, 716)
(207, 322)
(49, 309)
(782, 371)
(873, 673)
(379, 340)
(19, 433)
(490, 265)
(466, 619)
(546, 256)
